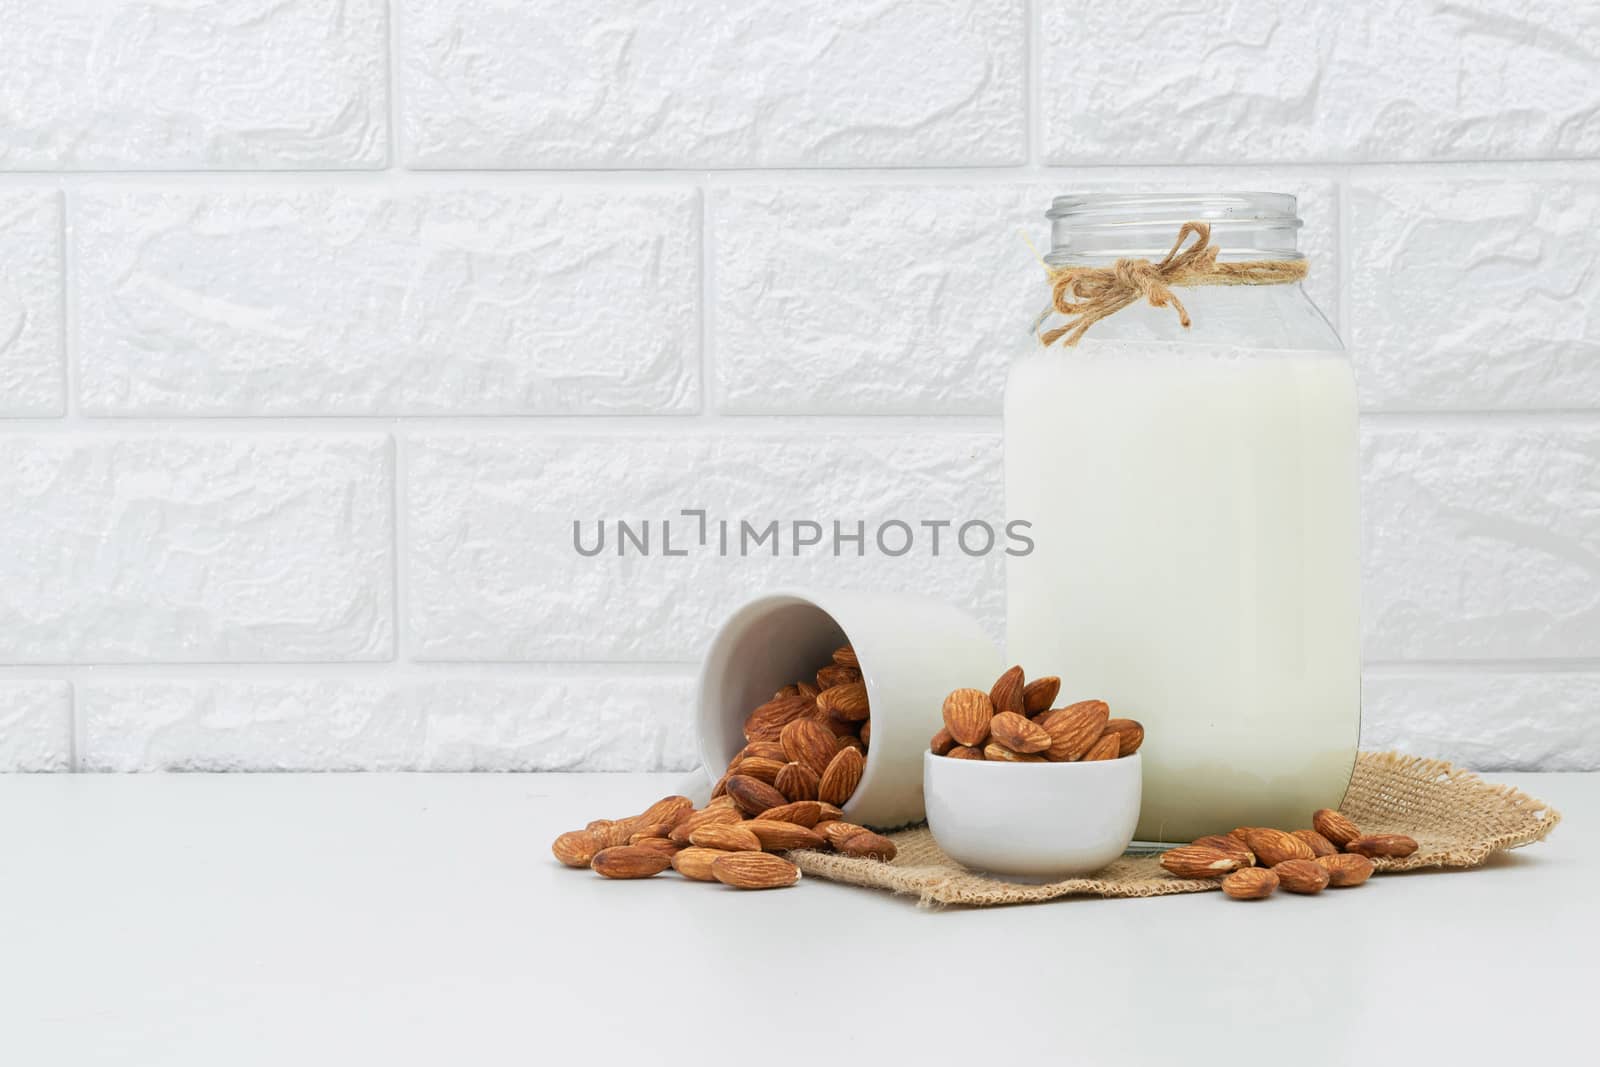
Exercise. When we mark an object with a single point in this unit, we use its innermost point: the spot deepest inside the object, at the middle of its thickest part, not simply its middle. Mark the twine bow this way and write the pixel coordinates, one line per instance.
(1089, 294)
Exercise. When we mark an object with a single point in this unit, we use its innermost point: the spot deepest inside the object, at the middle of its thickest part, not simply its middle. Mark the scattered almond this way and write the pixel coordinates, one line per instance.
(837, 830)
(1335, 827)
(802, 813)
(1199, 861)
(1230, 844)
(576, 848)
(866, 844)
(696, 863)
(754, 870)
(1250, 883)
(1320, 846)
(1272, 847)
(629, 861)
(1346, 869)
(734, 837)
(778, 836)
(1301, 876)
(1392, 846)
(707, 817)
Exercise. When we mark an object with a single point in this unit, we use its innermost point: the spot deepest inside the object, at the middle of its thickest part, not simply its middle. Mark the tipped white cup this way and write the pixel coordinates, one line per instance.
(913, 651)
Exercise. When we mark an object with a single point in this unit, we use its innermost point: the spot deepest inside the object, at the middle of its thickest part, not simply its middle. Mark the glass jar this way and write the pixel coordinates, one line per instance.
(1194, 500)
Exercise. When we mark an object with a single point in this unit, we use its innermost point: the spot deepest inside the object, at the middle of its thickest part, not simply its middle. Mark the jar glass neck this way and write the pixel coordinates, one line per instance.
(1100, 228)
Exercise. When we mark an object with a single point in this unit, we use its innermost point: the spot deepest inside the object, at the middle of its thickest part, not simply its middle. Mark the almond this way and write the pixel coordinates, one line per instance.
(847, 702)
(767, 749)
(1346, 869)
(765, 770)
(865, 844)
(786, 691)
(1301, 876)
(836, 728)
(754, 870)
(660, 830)
(696, 863)
(657, 844)
(839, 781)
(1130, 735)
(807, 741)
(1230, 844)
(797, 782)
(707, 817)
(1074, 729)
(666, 810)
(1335, 827)
(1272, 847)
(848, 741)
(617, 833)
(778, 836)
(730, 837)
(1198, 861)
(833, 675)
(829, 811)
(576, 848)
(753, 795)
(1106, 748)
(629, 861)
(808, 689)
(1392, 846)
(866, 734)
(942, 742)
(1039, 694)
(1250, 883)
(801, 813)
(965, 752)
(1006, 693)
(723, 801)
(1320, 846)
(837, 830)
(765, 723)
(967, 713)
(598, 824)
(846, 657)
(720, 790)
(994, 750)
(1018, 734)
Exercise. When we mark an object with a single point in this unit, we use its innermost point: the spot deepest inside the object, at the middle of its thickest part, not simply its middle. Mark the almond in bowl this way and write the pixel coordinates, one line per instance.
(1017, 788)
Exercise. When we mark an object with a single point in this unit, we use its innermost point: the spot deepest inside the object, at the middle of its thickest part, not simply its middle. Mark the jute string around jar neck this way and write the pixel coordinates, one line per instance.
(1089, 294)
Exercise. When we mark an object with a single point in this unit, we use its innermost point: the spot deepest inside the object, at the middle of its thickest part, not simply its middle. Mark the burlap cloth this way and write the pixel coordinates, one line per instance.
(1457, 818)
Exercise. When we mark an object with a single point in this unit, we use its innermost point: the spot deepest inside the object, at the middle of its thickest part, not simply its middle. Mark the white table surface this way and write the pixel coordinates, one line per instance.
(388, 919)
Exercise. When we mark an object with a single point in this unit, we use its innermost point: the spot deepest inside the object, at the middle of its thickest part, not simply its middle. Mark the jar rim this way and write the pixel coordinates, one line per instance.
(1109, 210)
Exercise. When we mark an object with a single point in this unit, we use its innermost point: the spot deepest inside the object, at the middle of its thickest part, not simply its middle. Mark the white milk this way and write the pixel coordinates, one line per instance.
(1196, 566)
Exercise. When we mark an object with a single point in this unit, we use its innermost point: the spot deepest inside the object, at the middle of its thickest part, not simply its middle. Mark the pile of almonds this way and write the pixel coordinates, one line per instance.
(804, 759)
(809, 742)
(1253, 861)
(1014, 722)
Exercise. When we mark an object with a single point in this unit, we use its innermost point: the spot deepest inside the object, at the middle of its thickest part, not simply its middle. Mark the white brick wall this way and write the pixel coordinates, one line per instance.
(320, 323)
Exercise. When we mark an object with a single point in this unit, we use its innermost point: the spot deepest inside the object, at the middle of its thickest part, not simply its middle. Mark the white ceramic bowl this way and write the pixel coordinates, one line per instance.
(913, 650)
(1032, 821)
